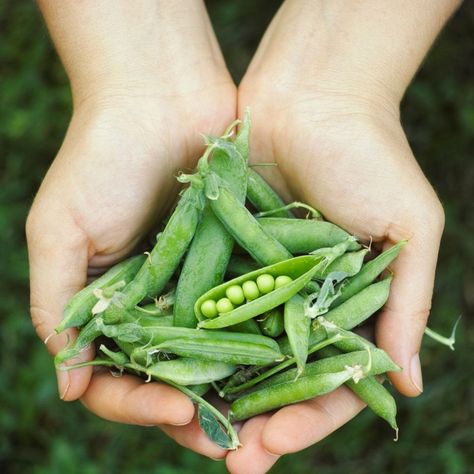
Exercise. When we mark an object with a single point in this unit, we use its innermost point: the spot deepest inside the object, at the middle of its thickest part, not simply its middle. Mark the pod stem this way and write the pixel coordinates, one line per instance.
(219, 416)
(446, 341)
(315, 214)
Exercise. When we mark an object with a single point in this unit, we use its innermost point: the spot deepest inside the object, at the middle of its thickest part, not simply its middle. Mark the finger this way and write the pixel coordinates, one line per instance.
(399, 330)
(251, 457)
(58, 256)
(296, 427)
(191, 436)
(129, 399)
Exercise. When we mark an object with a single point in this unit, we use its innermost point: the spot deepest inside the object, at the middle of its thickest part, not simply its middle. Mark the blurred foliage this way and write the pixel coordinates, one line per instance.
(40, 434)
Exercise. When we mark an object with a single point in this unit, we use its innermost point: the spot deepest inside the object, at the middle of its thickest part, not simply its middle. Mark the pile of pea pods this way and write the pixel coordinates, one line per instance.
(240, 299)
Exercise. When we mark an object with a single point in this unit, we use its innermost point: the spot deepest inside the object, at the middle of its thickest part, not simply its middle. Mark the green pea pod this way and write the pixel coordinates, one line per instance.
(263, 197)
(272, 324)
(250, 327)
(297, 328)
(245, 229)
(286, 393)
(232, 352)
(89, 333)
(78, 310)
(170, 247)
(239, 265)
(350, 263)
(369, 272)
(242, 139)
(248, 379)
(300, 269)
(349, 314)
(378, 359)
(191, 371)
(370, 391)
(154, 335)
(210, 250)
(200, 389)
(304, 235)
(117, 314)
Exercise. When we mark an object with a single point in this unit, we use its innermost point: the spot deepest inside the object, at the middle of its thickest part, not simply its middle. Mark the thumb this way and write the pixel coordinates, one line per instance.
(58, 256)
(400, 328)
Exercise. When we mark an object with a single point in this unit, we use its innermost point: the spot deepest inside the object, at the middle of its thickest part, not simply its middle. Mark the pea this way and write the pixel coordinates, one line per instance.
(224, 305)
(265, 283)
(282, 280)
(235, 294)
(209, 309)
(250, 289)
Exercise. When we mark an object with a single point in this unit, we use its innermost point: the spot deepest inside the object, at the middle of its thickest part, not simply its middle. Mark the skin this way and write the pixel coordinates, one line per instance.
(333, 93)
(136, 121)
(325, 98)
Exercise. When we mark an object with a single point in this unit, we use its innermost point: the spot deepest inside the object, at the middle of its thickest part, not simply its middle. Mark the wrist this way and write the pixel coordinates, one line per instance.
(368, 49)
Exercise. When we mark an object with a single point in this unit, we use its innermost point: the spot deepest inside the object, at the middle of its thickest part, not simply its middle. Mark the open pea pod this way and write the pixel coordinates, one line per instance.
(300, 269)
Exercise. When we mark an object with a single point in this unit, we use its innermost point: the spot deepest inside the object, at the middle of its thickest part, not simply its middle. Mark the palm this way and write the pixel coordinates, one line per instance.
(117, 176)
(358, 170)
(110, 183)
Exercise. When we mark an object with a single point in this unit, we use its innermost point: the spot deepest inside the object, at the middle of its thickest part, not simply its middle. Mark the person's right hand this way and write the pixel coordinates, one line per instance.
(111, 181)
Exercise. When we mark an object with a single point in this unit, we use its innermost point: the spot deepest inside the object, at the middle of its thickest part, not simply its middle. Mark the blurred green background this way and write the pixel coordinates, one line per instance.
(40, 434)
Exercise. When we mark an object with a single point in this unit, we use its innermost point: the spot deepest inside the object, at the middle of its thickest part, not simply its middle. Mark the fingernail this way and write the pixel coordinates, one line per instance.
(63, 384)
(181, 424)
(415, 372)
(217, 459)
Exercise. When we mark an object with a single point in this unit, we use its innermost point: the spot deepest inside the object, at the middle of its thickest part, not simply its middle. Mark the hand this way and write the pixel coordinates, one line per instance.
(340, 148)
(113, 178)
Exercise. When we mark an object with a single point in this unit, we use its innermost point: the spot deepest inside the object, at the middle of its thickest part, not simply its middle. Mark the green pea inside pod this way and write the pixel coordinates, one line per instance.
(299, 269)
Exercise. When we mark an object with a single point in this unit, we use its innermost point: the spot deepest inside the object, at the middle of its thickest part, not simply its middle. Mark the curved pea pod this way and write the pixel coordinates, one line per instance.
(297, 328)
(239, 265)
(200, 389)
(170, 247)
(369, 272)
(349, 314)
(370, 391)
(350, 263)
(242, 139)
(286, 393)
(78, 310)
(210, 250)
(117, 314)
(376, 360)
(214, 349)
(155, 334)
(89, 333)
(188, 371)
(263, 197)
(272, 324)
(249, 327)
(242, 225)
(300, 269)
(304, 235)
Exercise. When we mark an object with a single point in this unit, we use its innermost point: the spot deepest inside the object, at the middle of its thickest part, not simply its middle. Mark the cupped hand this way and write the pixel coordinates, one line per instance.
(111, 181)
(348, 156)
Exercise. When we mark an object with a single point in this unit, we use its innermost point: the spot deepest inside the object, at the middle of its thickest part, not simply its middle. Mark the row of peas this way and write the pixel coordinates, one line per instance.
(237, 295)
